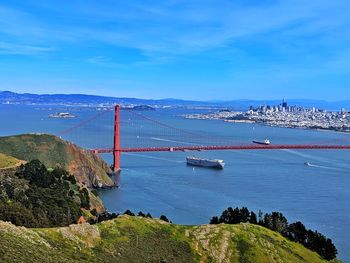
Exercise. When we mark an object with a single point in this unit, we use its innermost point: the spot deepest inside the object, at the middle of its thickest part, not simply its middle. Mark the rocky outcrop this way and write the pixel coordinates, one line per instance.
(87, 167)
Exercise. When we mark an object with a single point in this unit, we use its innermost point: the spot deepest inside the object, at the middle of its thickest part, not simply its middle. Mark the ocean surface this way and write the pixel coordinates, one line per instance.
(161, 183)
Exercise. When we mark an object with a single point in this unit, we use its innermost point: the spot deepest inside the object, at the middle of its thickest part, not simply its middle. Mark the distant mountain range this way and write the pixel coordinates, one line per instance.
(8, 97)
(79, 99)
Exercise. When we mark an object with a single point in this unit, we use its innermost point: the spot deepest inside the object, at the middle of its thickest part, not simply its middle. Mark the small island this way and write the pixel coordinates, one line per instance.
(143, 108)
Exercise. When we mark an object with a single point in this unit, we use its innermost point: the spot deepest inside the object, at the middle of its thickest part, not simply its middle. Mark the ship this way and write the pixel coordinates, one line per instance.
(62, 115)
(214, 163)
(265, 142)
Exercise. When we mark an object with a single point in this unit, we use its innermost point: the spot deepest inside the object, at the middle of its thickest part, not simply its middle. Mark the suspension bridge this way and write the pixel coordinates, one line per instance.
(117, 149)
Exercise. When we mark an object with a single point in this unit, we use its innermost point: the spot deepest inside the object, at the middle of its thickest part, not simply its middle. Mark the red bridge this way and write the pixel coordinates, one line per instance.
(117, 149)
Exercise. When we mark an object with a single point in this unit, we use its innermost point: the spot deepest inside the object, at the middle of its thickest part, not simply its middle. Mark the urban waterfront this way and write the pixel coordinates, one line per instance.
(283, 115)
(161, 183)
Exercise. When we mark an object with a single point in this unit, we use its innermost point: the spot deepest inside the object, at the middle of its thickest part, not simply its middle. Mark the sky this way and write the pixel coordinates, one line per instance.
(188, 49)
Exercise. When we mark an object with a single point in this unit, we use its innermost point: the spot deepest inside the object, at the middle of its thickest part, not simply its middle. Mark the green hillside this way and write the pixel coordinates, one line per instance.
(136, 239)
(87, 167)
(8, 161)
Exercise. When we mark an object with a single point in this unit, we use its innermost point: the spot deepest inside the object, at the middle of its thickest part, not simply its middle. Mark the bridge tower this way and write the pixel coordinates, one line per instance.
(116, 148)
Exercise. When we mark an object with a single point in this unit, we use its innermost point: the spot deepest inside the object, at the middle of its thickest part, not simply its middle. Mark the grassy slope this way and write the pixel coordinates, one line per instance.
(53, 151)
(8, 161)
(134, 239)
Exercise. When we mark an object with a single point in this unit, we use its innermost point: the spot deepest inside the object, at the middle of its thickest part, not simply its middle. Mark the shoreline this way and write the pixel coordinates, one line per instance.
(271, 125)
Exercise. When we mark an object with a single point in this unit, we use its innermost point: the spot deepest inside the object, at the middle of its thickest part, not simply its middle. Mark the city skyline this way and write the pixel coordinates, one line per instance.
(195, 50)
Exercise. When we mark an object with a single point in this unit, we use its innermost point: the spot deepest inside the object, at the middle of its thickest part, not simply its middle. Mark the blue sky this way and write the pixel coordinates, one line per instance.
(194, 49)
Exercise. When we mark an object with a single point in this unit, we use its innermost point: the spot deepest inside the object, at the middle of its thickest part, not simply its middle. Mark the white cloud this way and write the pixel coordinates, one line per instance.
(15, 49)
(172, 28)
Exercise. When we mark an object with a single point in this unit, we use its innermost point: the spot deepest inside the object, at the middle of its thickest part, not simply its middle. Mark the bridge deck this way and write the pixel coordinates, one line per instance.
(229, 147)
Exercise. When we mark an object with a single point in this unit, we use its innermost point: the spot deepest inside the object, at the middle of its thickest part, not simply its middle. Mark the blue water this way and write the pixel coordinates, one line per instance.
(161, 183)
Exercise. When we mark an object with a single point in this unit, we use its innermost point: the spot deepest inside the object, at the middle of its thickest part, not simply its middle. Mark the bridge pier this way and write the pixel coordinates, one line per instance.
(116, 148)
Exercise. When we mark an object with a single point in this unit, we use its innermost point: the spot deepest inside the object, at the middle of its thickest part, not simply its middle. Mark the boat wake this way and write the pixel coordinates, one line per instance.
(307, 156)
(317, 159)
(166, 140)
(324, 167)
(153, 157)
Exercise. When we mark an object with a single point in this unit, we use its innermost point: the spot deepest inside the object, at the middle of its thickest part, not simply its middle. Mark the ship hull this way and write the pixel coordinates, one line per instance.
(261, 143)
(205, 163)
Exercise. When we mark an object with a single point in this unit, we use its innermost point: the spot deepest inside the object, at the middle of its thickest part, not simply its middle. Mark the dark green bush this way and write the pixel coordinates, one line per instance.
(46, 199)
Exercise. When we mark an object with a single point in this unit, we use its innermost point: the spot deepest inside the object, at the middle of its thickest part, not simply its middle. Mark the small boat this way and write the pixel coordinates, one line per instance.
(265, 142)
(210, 163)
(307, 164)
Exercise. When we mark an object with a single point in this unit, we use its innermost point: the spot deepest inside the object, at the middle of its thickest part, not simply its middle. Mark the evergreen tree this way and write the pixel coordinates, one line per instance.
(129, 213)
(276, 221)
(141, 214)
(244, 215)
(164, 218)
(297, 233)
(36, 173)
(252, 218)
(260, 217)
(214, 220)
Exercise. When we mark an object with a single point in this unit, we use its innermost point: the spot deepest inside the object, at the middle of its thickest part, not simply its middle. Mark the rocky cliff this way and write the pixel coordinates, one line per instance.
(88, 168)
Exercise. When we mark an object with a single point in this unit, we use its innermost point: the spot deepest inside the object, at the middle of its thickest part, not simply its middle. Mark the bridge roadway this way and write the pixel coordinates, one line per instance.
(228, 147)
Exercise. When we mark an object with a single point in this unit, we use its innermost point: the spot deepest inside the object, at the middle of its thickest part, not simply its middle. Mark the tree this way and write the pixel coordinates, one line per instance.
(252, 218)
(38, 197)
(84, 198)
(320, 244)
(297, 233)
(141, 214)
(214, 220)
(129, 213)
(36, 173)
(164, 218)
(276, 221)
(17, 214)
(244, 215)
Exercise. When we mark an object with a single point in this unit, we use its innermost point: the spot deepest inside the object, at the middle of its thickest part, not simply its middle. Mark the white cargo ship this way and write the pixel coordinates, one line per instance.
(215, 163)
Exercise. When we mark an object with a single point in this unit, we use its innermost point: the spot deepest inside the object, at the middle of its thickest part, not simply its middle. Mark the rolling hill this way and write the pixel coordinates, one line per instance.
(136, 239)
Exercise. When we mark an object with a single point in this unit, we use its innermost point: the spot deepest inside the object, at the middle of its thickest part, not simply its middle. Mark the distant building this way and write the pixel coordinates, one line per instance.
(284, 104)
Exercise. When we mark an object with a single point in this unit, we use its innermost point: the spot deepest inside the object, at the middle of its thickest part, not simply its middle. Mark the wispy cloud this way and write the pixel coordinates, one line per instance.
(176, 26)
(15, 49)
(99, 60)
(104, 61)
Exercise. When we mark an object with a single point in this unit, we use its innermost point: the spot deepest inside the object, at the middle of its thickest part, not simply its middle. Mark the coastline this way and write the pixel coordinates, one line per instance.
(276, 123)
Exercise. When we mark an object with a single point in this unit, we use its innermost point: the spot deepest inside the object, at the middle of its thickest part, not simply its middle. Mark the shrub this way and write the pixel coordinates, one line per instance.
(164, 218)
(39, 197)
(17, 214)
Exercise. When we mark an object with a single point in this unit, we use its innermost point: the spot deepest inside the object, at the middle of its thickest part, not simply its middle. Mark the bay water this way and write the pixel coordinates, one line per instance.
(161, 183)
